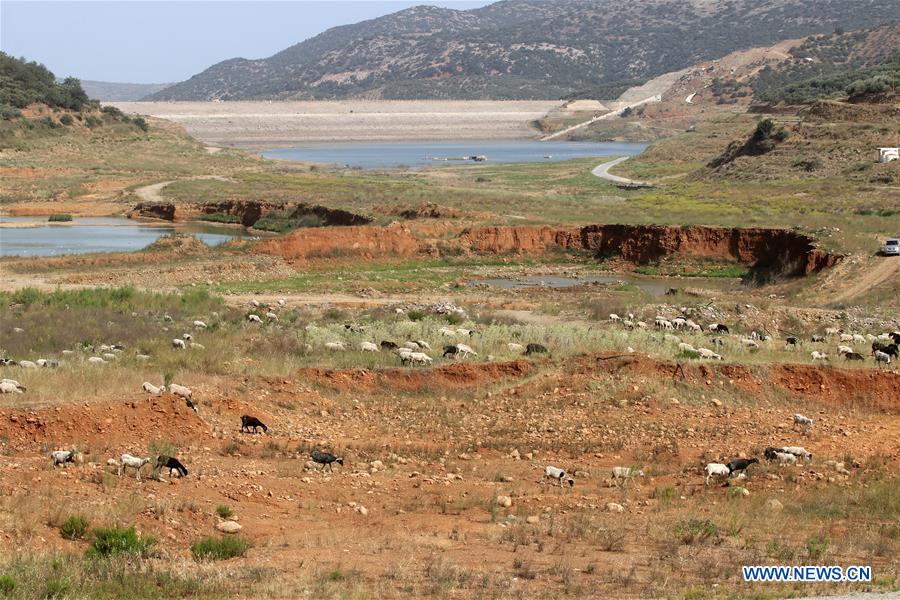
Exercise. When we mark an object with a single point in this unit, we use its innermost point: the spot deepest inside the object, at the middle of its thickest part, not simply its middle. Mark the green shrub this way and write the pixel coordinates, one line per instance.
(219, 549)
(47, 121)
(66, 119)
(92, 121)
(691, 531)
(817, 546)
(113, 541)
(141, 124)
(74, 527)
(7, 584)
(8, 112)
(224, 511)
(60, 218)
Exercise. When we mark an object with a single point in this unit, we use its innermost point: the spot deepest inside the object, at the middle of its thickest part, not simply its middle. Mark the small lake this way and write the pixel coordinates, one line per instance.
(386, 155)
(654, 287)
(96, 234)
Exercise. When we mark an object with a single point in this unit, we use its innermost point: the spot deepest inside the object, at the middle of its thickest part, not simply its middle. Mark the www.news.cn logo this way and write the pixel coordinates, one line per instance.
(808, 573)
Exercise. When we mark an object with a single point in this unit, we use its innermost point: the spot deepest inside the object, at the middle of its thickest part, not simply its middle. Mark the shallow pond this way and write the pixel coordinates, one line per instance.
(420, 154)
(34, 236)
(654, 287)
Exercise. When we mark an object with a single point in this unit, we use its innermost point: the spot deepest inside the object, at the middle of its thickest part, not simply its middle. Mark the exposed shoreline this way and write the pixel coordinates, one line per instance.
(255, 125)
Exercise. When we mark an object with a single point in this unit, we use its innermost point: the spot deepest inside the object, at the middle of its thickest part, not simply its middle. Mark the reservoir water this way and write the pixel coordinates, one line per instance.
(384, 155)
(34, 236)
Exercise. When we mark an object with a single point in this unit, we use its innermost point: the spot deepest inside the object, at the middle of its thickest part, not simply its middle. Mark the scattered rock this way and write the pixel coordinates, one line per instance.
(228, 526)
(533, 519)
(614, 507)
(504, 501)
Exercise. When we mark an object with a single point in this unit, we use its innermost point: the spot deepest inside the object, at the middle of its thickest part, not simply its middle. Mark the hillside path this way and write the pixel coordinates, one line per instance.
(602, 171)
(151, 193)
(887, 269)
(608, 115)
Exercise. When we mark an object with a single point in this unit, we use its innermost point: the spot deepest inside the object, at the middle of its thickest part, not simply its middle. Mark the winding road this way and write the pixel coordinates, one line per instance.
(602, 171)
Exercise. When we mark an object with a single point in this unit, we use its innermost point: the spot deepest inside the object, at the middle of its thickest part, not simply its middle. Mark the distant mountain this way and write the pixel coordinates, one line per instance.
(108, 91)
(521, 49)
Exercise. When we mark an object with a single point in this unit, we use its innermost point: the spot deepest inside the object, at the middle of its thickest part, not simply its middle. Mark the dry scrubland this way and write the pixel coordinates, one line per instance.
(414, 511)
(268, 124)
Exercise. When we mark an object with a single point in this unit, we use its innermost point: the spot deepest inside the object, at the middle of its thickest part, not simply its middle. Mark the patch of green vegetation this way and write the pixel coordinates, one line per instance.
(115, 540)
(60, 218)
(220, 218)
(7, 584)
(224, 511)
(219, 549)
(23, 83)
(123, 298)
(74, 527)
(692, 531)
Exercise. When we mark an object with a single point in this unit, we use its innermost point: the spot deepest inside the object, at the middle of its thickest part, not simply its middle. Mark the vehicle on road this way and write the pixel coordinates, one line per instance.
(891, 247)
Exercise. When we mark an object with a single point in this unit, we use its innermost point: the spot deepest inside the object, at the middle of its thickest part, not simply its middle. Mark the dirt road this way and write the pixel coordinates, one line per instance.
(885, 269)
(602, 171)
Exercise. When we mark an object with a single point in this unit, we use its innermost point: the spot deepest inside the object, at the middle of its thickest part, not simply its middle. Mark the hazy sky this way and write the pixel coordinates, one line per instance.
(161, 42)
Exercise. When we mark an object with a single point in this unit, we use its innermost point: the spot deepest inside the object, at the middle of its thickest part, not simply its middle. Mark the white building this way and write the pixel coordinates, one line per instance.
(888, 154)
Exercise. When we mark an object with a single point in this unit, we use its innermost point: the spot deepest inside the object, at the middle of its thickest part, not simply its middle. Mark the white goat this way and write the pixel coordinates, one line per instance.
(254, 318)
(179, 343)
(882, 357)
(199, 324)
(368, 347)
(844, 350)
(747, 342)
(134, 462)
(816, 355)
(271, 316)
(337, 346)
(558, 475)
(614, 318)
(624, 474)
(716, 470)
(181, 391)
(152, 389)
(62, 456)
(803, 421)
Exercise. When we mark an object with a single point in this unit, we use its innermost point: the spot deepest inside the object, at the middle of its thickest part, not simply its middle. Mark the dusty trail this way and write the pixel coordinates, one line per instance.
(886, 269)
(151, 193)
(602, 171)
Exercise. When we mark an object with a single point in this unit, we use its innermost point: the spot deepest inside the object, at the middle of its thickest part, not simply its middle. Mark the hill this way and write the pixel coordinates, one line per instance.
(520, 49)
(23, 83)
(109, 91)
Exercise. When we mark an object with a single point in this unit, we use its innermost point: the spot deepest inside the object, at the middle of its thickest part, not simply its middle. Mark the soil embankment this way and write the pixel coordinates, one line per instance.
(779, 251)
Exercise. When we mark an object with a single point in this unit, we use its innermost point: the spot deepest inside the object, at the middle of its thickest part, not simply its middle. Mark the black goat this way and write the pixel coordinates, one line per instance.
(853, 356)
(739, 464)
(388, 345)
(170, 462)
(247, 422)
(451, 350)
(326, 458)
(771, 453)
(895, 335)
(191, 405)
(535, 349)
(720, 328)
(792, 340)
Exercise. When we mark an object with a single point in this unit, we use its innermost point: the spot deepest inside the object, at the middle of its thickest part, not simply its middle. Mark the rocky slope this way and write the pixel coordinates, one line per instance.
(518, 49)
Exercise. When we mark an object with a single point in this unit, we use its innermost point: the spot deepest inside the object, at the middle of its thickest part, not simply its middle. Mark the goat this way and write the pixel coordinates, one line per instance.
(715, 470)
(739, 464)
(181, 391)
(326, 459)
(853, 356)
(253, 318)
(803, 421)
(179, 343)
(535, 349)
(388, 345)
(368, 347)
(199, 324)
(134, 462)
(882, 357)
(624, 474)
(336, 346)
(816, 355)
(514, 347)
(797, 451)
(451, 351)
(152, 389)
(558, 475)
(818, 338)
(791, 340)
(247, 422)
(62, 456)
(171, 463)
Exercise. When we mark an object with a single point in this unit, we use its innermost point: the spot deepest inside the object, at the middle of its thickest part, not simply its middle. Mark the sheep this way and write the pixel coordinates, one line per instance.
(671, 338)
(740, 464)
(798, 451)
(27, 364)
(558, 475)
(253, 318)
(882, 357)
(785, 458)
(641, 325)
(247, 422)
(187, 337)
(858, 339)
(514, 347)
(832, 331)
(178, 343)
(411, 345)
(535, 349)
(853, 356)
(693, 326)
(749, 343)
(8, 362)
(415, 357)
(614, 318)
(846, 337)
(144, 357)
(368, 347)
(466, 350)
(468, 332)
(708, 354)
(326, 459)
(168, 318)
(354, 328)
(624, 474)
(628, 324)
(96, 360)
(181, 391)
(423, 344)
(134, 462)
(684, 347)
(803, 421)
(109, 356)
(10, 387)
(152, 389)
(62, 456)
(818, 338)
(271, 316)
(816, 355)
(171, 463)
(198, 346)
(841, 350)
(679, 322)
(388, 345)
(335, 346)
(716, 470)
(47, 364)
(447, 332)
(199, 324)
